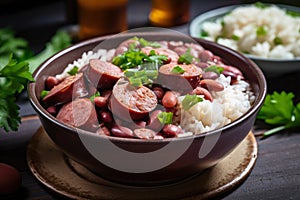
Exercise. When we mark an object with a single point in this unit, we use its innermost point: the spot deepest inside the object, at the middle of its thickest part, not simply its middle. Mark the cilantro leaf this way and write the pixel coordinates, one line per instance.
(13, 79)
(279, 110)
(187, 57)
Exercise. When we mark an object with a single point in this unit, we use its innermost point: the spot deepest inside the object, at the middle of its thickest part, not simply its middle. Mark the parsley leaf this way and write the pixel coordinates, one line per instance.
(13, 79)
(279, 109)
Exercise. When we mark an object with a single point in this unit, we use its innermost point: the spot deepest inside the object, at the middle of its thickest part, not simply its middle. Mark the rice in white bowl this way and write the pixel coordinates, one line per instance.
(267, 32)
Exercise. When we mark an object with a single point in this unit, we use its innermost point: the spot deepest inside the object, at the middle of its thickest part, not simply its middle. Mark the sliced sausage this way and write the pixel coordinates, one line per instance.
(71, 88)
(79, 113)
(103, 75)
(183, 82)
(131, 103)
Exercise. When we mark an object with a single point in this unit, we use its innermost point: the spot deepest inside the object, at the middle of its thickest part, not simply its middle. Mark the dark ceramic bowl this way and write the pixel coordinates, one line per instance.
(146, 162)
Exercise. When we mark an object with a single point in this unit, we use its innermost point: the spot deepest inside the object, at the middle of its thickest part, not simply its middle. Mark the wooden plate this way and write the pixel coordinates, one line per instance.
(70, 179)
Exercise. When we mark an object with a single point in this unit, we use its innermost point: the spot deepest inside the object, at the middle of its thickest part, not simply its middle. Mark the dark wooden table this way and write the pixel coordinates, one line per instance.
(276, 174)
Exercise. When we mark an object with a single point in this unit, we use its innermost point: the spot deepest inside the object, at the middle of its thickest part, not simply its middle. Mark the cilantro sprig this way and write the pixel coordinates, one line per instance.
(13, 79)
(187, 57)
(279, 110)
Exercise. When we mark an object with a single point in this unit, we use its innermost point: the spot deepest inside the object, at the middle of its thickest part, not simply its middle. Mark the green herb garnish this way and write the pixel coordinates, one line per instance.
(97, 94)
(293, 13)
(260, 5)
(135, 58)
(165, 117)
(44, 93)
(187, 57)
(73, 71)
(204, 33)
(13, 79)
(146, 43)
(261, 31)
(277, 40)
(141, 77)
(279, 110)
(214, 68)
(190, 100)
(177, 70)
(235, 37)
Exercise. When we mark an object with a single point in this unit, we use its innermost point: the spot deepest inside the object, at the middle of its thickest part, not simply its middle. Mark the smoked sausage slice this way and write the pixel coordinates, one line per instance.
(79, 113)
(103, 75)
(131, 103)
(71, 88)
(182, 82)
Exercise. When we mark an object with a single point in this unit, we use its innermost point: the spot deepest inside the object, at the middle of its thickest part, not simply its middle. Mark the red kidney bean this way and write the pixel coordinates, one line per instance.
(52, 110)
(144, 133)
(100, 102)
(169, 100)
(206, 56)
(171, 130)
(121, 131)
(210, 75)
(159, 92)
(51, 81)
(103, 130)
(232, 69)
(211, 85)
(202, 65)
(204, 92)
(106, 116)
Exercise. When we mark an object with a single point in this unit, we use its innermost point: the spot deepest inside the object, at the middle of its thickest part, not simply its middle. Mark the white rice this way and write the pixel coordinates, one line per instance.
(227, 106)
(243, 22)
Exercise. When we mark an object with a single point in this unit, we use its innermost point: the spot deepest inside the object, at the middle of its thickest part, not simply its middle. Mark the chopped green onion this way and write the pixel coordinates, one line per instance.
(177, 70)
(293, 13)
(44, 93)
(261, 31)
(235, 37)
(214, 68)
(73, 71)
(165, 117)
(277, 40)
(190, 100)
(204, 33)
(97, 94)
(260, 5)
(187, 57)
(145, 43)
(141, 77)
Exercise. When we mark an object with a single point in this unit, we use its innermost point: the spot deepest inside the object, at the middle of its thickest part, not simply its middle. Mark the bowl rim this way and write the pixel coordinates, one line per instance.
(222, 11)
(42, 111)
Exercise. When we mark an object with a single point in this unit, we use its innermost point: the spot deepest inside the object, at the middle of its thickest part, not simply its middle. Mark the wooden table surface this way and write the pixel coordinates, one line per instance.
(276, 174)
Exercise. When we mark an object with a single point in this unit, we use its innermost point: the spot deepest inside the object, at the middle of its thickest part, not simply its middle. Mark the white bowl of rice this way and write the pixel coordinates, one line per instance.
(266, 33)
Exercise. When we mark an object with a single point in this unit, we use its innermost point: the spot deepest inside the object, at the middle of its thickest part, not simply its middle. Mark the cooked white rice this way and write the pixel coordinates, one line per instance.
(227, 106)
(244, 21)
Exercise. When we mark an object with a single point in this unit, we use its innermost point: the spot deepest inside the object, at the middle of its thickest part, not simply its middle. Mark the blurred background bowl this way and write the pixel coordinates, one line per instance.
(270, 66)
(69, 139)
